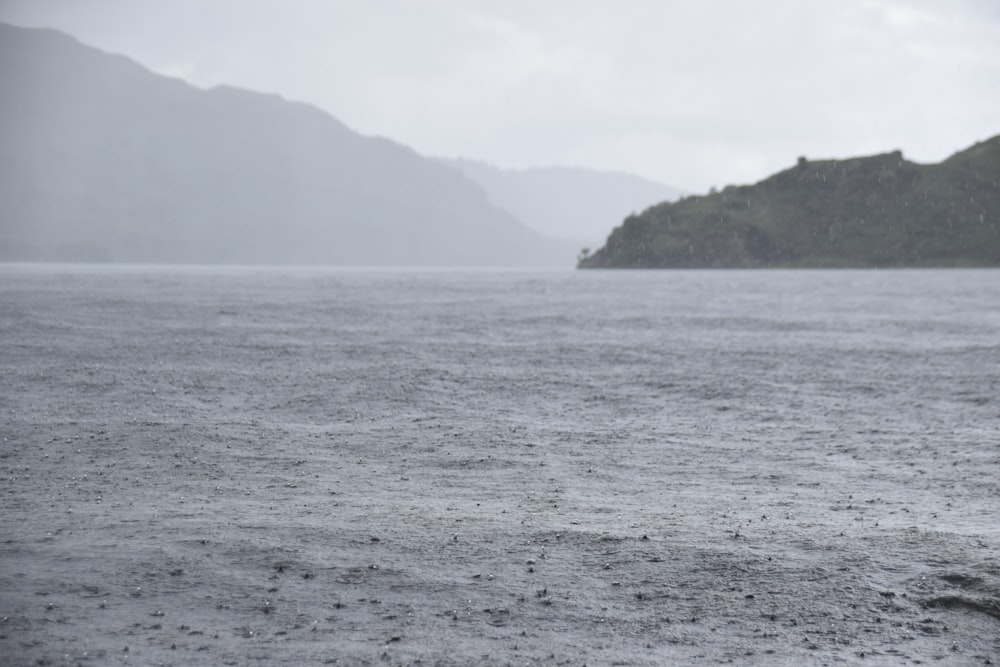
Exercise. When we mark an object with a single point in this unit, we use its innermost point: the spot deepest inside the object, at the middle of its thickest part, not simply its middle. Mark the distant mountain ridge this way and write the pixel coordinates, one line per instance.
(566, 202)
(103, 160)
(878, 211)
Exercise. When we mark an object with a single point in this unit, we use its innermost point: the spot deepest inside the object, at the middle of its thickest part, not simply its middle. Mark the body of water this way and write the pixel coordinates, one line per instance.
(596, 465)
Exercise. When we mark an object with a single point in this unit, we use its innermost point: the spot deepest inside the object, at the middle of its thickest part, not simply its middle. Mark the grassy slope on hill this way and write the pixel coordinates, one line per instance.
(862, 212)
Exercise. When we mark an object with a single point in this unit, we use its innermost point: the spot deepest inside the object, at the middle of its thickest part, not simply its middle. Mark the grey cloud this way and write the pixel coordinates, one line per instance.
(690, 94)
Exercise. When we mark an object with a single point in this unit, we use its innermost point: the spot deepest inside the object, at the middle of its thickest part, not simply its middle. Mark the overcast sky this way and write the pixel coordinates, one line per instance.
(693, 94)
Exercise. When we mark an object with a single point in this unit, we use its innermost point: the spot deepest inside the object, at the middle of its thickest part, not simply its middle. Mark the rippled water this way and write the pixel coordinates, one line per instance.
(795, 361)
(825, 435)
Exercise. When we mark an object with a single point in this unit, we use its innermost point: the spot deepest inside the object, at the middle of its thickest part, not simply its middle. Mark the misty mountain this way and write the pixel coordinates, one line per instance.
(103, 160)
(872, 211)
(562, 202)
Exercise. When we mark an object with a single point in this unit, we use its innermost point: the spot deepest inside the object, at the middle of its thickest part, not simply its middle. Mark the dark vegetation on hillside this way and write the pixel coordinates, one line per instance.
(879, 211)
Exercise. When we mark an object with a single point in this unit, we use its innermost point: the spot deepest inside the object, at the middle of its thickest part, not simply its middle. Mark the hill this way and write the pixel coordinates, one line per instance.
(564, 202)
(878, 211)
(103, 160)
